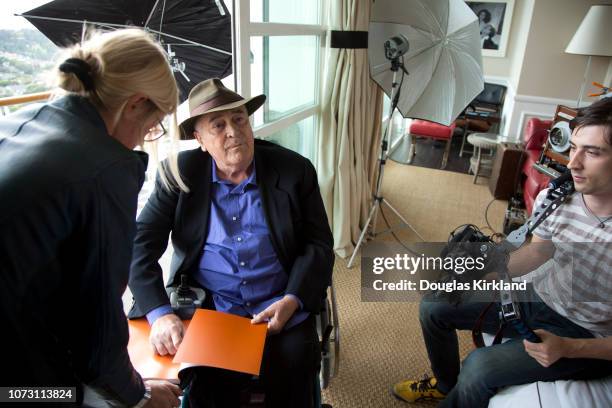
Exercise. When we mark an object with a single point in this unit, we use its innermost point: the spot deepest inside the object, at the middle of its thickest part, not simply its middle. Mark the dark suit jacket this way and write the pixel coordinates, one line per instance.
(294, 213)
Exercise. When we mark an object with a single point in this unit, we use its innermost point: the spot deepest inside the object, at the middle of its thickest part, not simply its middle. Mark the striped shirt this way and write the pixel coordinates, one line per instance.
(577, 281)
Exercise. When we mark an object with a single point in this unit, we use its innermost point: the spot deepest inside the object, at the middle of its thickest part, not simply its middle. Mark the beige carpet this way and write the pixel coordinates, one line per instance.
(381, 342)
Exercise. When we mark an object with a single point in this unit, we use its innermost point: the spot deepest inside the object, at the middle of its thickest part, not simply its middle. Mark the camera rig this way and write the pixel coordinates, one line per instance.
(496, 255)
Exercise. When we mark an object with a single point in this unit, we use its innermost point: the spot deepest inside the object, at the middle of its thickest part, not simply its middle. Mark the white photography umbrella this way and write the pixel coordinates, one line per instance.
(444, 60)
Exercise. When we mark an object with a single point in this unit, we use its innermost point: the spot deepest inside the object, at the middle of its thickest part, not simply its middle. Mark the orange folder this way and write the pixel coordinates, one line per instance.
(223, 340)
(148, 363)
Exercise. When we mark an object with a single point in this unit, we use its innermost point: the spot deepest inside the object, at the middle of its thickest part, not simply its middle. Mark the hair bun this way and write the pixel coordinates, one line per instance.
(81, 69)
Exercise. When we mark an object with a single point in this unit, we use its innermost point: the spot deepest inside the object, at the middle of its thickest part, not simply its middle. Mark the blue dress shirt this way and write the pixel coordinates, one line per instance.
(239, 266)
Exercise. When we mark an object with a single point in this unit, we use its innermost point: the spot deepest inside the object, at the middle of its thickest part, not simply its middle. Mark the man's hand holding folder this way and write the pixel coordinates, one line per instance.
(211, 338)
(277, 314)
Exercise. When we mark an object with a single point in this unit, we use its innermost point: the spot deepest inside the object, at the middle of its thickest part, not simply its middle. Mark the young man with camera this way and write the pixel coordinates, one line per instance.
(567, 303)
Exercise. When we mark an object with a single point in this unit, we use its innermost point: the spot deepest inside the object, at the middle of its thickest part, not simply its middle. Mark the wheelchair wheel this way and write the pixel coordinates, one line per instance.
(324, 330)
(328, 330)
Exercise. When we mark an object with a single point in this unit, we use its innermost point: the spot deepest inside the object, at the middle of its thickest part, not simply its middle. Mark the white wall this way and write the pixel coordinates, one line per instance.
(608, 80)
(521, 24)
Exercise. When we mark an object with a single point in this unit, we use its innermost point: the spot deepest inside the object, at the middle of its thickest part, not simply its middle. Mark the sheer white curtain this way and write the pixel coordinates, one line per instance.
(349, 133)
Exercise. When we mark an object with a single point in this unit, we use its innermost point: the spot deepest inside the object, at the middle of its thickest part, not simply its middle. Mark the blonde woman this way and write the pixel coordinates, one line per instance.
(69, 181)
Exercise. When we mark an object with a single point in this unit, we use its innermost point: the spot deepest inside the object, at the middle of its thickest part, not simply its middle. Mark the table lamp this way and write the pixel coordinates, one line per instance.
(593, 38)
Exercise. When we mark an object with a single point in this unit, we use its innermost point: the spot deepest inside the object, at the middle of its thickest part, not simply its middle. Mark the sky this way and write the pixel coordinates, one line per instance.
(10, 7)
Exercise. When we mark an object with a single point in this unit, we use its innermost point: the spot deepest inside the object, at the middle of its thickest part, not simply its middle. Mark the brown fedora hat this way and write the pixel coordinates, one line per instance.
(212, 96)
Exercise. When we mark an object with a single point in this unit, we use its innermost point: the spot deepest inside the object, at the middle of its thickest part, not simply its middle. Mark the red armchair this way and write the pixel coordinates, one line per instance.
(536, 133)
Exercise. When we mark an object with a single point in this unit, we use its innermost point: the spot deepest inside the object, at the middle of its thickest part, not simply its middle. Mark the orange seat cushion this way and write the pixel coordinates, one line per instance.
(430, 129)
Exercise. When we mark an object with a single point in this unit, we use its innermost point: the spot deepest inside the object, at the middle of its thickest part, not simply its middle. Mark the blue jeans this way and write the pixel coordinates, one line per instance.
(487, 369)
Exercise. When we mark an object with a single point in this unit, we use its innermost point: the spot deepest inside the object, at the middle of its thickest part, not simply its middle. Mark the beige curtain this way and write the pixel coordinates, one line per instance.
(350, 128)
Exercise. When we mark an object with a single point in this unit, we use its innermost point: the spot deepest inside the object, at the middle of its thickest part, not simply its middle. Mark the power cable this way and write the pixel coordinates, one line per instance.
(487, 216)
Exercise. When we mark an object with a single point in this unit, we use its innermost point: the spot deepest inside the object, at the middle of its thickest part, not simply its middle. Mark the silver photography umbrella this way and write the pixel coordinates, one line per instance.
(444, 59)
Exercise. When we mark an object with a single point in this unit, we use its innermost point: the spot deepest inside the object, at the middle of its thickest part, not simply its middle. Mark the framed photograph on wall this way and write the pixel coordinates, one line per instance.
(494, 18)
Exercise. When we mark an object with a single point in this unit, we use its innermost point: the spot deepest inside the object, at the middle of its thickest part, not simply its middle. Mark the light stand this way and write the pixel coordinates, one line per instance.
(379, 200)
(584, 81)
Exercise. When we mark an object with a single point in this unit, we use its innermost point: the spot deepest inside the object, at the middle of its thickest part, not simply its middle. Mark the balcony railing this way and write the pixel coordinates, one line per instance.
(6, 103)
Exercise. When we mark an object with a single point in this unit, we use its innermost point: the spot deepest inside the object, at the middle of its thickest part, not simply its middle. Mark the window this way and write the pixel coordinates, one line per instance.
(277, 71)
(297, 137)
(278, 45)
(285, 11)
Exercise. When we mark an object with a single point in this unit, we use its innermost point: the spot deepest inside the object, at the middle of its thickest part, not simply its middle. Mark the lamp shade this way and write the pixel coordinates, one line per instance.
(594, 36)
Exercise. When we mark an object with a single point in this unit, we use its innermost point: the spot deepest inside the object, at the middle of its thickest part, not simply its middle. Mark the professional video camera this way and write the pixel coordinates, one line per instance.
(469, 242)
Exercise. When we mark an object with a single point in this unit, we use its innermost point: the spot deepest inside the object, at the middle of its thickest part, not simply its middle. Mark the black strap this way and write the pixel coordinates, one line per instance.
(79, 68)
(349, 39)
(477, 338)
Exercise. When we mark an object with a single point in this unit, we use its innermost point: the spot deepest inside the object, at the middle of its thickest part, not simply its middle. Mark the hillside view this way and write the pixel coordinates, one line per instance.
(26, 57)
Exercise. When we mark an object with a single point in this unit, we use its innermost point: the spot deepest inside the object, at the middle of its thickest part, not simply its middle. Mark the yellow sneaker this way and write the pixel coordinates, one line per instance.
(412, 391)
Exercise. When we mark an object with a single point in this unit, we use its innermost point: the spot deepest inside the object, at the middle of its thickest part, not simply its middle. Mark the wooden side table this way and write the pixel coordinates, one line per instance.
(506, 171)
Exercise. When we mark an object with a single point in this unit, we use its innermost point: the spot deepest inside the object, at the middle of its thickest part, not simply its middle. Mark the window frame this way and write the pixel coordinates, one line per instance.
(244, 29)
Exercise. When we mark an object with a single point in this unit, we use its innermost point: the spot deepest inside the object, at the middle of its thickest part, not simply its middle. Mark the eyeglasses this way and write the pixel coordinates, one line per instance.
(155, 132)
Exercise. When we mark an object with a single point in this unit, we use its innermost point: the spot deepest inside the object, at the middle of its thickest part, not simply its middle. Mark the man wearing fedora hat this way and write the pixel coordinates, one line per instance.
(252, 231)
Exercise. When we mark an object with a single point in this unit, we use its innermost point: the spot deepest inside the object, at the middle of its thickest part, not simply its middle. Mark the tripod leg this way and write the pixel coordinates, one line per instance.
(363, 232)
(403, 219)
(373, 227)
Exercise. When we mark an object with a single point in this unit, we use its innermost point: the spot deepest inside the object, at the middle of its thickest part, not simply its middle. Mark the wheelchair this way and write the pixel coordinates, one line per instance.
(328, 330)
